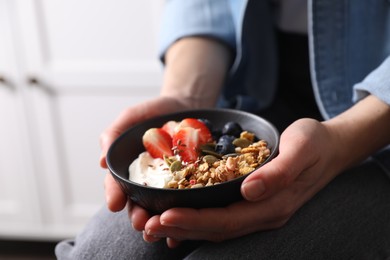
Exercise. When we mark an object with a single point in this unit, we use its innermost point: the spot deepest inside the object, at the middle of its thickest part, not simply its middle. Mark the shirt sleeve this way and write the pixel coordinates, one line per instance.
(376, 83)
(183, 18)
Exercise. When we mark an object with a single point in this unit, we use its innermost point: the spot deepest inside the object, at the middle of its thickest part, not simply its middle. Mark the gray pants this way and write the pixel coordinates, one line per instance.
(349, 219)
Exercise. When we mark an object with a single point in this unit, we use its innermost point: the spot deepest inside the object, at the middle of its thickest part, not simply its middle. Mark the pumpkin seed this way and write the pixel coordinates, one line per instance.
(175, 166)
(210, 159)
(242, 142)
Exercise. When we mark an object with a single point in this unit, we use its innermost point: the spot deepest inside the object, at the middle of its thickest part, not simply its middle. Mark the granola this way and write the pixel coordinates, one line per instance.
(209, 170)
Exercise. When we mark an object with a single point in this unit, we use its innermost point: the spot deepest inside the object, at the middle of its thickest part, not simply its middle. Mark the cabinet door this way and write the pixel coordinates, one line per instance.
(19, 207)
(85, 61)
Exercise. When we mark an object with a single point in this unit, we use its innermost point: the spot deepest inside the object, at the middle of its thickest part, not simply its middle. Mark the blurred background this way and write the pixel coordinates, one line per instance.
(67, 68)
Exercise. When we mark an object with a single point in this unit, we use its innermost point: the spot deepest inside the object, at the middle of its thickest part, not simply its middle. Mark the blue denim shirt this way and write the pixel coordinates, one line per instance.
(349, 45)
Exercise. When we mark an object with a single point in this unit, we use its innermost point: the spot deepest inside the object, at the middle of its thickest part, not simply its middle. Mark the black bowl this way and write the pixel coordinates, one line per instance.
(129, 145)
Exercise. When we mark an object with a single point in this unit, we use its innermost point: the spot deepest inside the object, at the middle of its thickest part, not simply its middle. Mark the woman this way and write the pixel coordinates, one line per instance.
(326, 195)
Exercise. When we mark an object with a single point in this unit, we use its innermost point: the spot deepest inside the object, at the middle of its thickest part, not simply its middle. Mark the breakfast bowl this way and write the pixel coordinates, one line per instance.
(128, 146)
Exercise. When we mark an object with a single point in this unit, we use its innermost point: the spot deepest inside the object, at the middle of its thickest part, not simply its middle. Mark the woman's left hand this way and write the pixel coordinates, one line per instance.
(273, 193)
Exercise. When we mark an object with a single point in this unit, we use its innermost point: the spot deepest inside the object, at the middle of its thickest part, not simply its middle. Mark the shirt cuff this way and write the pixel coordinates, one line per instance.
(377, 83)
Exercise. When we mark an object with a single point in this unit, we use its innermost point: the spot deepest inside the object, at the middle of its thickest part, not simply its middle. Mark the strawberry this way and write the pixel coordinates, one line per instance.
(157, 142)
(170, 127)
(186, 143)
(204, 132)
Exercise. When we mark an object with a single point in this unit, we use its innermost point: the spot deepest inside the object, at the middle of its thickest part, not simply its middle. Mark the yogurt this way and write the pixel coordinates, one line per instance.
(149, 171)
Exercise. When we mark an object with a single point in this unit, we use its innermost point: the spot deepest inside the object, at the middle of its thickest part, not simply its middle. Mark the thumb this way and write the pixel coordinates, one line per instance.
(275, 175)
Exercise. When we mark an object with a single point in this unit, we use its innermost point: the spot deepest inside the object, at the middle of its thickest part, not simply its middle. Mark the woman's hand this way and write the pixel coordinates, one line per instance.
(115, 198)
(195, 70)
(273, 193)
(311, 155)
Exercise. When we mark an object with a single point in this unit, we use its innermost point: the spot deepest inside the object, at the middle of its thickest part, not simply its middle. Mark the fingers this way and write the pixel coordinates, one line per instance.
(138, 216)
(156, 234)
(218, 224)
(122, 122)
(172, 243)
(214, 224)
(186, 217)
(115, 198)
(188, 231)
(106, 139)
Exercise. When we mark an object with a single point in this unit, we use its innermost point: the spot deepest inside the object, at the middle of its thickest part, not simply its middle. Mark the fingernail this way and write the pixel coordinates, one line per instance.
(155, 234)
(253, 189)
(167, 223)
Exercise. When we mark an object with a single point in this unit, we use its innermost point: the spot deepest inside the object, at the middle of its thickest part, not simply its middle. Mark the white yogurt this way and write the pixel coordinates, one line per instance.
(149, 171)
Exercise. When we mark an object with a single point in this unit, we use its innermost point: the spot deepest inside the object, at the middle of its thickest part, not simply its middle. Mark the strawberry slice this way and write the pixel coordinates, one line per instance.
(157, 142)
(186, 143)
(204, 132)
(170, 127)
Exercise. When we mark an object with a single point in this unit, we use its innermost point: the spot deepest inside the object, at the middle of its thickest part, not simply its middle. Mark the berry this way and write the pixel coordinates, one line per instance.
(232, 128)
(186, 143)
(157, 143)
(170, 127)
(204, 131)
(225, 145)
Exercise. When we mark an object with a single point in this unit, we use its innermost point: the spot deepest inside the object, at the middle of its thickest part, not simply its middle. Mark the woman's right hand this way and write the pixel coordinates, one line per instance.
(195, 70)
(115, 198)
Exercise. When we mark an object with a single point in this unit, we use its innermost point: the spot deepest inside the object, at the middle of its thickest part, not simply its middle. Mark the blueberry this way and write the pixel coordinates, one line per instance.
(232, 128)
(225, 145)
(226, 139)
(224, 148)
